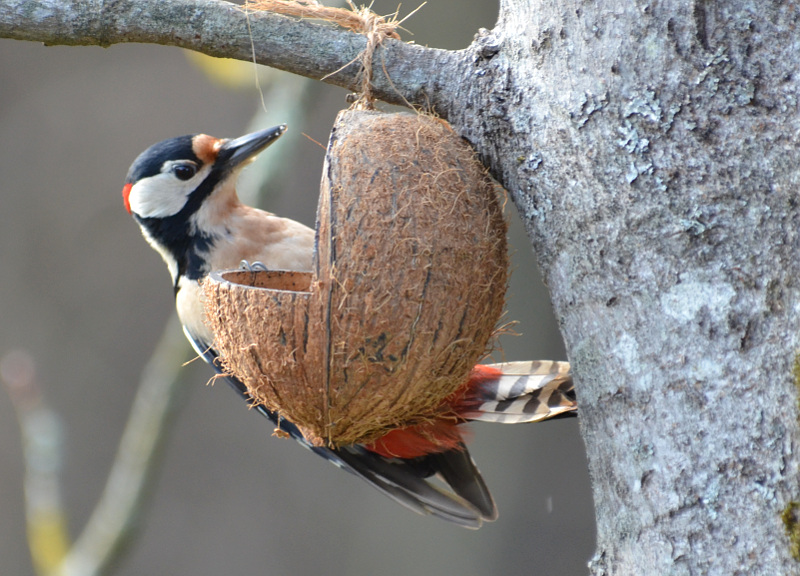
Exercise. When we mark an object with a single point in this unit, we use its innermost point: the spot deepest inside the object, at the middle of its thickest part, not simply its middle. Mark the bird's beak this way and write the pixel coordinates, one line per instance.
(235, 152)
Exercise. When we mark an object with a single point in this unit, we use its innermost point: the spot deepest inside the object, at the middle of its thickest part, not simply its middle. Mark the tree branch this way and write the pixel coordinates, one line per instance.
(404, 74)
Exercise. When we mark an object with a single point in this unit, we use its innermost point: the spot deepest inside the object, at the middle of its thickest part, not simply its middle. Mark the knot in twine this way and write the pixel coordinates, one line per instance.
(376, 29)
(358, 19)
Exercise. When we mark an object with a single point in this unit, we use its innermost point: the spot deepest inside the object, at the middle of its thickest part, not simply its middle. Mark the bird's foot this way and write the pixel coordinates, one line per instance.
(252, 267)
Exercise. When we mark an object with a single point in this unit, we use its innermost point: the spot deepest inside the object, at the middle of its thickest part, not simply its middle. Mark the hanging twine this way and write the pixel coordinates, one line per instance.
(361, 20)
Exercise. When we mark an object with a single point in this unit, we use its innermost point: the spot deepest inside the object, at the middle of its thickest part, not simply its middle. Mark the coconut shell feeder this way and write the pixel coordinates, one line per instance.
(408, 283)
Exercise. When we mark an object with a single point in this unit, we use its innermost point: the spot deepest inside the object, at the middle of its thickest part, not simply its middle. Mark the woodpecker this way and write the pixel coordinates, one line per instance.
(182, 193)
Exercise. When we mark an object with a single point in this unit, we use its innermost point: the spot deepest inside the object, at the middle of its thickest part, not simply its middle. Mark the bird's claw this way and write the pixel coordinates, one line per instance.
(252, 267)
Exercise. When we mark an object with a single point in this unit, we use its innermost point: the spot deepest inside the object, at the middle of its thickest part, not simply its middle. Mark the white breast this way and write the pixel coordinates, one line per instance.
(189, 304)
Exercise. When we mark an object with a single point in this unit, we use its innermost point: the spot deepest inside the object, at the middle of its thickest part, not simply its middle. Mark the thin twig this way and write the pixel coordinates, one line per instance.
(114, 519)
(42, 451)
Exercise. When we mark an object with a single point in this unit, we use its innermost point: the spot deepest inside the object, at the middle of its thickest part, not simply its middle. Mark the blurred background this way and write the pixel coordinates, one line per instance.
(83, 293)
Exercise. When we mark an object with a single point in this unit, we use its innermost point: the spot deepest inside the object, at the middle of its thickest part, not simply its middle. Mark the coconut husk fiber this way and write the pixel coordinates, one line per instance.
(409, 281)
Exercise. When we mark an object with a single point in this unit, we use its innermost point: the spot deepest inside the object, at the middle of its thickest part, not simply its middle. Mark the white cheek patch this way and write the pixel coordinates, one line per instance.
(163, 195)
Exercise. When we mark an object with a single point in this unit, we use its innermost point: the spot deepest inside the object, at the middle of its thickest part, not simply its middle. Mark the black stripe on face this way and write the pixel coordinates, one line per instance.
(173, 232)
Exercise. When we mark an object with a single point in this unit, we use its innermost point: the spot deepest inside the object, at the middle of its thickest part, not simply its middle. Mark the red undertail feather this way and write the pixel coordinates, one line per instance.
(432, 437)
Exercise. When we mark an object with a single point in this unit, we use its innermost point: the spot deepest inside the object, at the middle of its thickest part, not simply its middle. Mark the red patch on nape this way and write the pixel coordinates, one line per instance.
(415, 441)
(206, 148)
(126, 195)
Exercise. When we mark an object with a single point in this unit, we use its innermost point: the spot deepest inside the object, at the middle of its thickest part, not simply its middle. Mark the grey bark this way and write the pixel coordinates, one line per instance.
(651, 150)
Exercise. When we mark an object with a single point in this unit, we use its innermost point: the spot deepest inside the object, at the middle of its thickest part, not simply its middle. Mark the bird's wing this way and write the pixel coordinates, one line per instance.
(463, 497)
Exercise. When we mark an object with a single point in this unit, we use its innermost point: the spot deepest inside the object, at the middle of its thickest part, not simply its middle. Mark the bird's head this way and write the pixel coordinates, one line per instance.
(175, 176)
(169, 187)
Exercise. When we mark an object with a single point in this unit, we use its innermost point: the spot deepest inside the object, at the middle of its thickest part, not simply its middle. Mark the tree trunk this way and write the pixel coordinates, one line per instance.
(651, 149)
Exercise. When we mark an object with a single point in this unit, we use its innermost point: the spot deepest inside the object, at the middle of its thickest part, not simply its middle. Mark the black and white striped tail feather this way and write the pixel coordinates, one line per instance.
(527, 392)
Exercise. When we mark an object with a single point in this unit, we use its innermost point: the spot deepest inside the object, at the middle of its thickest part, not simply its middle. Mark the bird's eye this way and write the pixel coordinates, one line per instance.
(184, 171)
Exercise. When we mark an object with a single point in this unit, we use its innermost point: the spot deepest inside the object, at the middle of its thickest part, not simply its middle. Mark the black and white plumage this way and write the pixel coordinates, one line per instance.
(182, 194)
